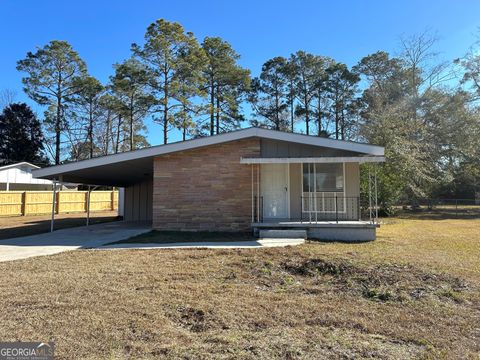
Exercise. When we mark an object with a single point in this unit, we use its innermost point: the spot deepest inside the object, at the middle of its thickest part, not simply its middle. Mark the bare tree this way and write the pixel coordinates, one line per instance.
(7, 97)
(421, 60)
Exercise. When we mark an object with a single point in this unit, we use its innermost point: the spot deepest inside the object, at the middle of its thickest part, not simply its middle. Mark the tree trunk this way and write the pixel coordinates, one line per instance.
(90, 130)
(212, 108)
(337, 120)
(58, 122)
(319, 116)
(277, 110)
(165, 107)
(118, 133)
(107, 133)
(131, 128)
(307, 116)
(218, 110)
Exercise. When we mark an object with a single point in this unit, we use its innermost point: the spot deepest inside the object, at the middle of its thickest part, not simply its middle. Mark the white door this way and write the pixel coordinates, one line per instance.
(274, 183)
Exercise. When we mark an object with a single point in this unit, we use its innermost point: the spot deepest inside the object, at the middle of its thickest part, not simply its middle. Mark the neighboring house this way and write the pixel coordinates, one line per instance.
(18, 177)
(251, 178)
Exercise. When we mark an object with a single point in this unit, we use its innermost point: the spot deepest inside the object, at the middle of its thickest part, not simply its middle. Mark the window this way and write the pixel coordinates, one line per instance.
(323, 177)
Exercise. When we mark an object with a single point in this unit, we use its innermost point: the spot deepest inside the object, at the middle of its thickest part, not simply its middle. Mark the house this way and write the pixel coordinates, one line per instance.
(18, 177)
(247, 179)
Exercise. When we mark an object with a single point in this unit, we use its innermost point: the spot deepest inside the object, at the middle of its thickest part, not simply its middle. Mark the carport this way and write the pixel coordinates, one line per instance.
(132, 171)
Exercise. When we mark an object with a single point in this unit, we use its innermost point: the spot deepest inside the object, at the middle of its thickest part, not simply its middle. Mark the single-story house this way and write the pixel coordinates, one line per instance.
(18, 177)
(247, 179)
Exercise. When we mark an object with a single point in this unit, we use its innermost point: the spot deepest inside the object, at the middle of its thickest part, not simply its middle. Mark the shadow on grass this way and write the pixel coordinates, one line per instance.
(40, 226)
(168, 237)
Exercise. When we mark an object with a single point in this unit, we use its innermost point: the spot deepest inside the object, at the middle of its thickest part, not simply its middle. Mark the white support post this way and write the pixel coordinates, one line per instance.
(88, 205)
(370, 194)
(376, 194)
(253, 200)
(258, 193)
(54, 201)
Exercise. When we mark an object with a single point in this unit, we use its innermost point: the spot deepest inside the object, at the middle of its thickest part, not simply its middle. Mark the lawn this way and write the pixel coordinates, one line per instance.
(413, 293)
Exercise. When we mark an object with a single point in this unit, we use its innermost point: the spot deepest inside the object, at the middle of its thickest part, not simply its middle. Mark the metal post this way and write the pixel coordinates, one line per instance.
(359, 209)
(88, 206)
(309, 196)
(258, 193)
(336, 208)
(376, 195)
(369, 194)
(54, 200)
(253, 204)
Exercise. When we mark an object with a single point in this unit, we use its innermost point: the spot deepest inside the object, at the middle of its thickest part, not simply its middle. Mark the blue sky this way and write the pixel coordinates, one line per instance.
(102, 31)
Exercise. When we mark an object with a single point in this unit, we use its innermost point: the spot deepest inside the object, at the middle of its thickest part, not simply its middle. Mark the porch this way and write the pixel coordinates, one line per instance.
(318, 195)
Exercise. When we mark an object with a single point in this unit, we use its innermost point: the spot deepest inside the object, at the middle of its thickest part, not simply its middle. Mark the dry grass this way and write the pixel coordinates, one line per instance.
(15, 226)
(411, 294)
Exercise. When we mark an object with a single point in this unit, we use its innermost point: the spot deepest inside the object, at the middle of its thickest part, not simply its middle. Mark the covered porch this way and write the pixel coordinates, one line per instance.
(318, 194)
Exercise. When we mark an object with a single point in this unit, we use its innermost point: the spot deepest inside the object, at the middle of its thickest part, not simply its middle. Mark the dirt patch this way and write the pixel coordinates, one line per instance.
(380, 282)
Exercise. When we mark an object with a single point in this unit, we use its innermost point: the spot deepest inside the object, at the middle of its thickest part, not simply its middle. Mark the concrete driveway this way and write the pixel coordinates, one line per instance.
(68, 239)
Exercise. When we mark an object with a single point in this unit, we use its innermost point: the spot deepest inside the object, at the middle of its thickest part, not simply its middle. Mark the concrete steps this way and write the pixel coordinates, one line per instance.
(282, 234)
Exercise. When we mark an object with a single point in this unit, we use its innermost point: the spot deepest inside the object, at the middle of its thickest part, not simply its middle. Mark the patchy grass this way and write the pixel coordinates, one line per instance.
(414, 293)
(166, 237)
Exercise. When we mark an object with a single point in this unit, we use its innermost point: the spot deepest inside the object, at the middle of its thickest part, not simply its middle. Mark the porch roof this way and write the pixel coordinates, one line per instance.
(321, 160)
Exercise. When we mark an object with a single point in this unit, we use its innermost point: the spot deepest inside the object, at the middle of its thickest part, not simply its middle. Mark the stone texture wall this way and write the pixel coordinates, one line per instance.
(205, 189)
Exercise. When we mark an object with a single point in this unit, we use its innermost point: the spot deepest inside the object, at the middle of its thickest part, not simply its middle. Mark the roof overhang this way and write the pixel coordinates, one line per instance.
(318, 160)
(19, 164)
(129, 167)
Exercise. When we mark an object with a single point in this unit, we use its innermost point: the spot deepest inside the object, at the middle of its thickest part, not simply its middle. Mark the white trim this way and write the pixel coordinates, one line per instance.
(23, 163)
(322, 160)
(288, 189)
(207, 141)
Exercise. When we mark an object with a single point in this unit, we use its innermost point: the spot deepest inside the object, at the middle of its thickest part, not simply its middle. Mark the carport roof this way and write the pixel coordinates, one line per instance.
(130, 167)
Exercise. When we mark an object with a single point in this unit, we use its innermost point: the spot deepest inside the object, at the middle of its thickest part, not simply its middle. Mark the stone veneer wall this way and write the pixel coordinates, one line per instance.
(205, 189)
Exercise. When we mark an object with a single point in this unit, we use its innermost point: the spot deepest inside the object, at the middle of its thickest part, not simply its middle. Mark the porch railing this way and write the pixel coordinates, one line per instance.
(318, 207)
(330, 207)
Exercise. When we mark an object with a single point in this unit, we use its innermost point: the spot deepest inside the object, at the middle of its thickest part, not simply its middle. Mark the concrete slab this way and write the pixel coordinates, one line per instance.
(68, 239)
(209, 245)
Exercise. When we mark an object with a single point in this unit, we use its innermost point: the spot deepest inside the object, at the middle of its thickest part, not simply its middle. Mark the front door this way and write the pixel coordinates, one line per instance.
(274, 183)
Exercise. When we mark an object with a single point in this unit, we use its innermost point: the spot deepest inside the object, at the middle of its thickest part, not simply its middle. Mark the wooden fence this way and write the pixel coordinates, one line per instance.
(21, 203)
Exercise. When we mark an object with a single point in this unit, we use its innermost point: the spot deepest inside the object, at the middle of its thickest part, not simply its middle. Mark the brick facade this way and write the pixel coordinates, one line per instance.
(205, 189)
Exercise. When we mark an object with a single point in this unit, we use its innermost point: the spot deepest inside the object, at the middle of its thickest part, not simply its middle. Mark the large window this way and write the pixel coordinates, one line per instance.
(323, 177)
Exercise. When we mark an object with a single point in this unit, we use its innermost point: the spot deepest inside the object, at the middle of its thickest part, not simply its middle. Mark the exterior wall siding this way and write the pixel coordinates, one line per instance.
(205, 189)
(276, 148)
(138, 202)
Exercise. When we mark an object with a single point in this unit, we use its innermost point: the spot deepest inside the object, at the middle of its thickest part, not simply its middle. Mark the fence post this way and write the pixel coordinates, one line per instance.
(112, 198)
(57, 204)
(24, 203)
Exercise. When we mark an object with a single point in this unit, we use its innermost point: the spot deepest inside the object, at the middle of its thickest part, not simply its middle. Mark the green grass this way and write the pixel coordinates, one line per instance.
(166, 237)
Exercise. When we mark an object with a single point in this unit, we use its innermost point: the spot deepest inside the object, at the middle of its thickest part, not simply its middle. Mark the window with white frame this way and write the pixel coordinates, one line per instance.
(323, 188)
(323, 177)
